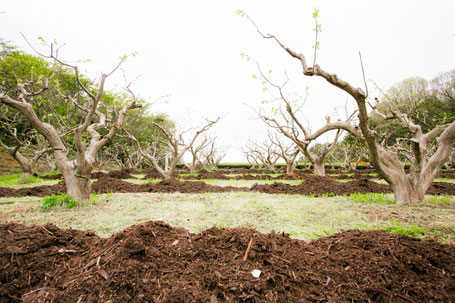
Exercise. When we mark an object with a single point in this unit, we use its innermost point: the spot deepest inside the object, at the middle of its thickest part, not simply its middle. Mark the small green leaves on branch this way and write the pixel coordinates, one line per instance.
(317, 29)
(240, 13)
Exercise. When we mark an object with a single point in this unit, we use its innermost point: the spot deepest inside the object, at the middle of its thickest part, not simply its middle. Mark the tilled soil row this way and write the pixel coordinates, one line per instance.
(311, 185)
(153, 262)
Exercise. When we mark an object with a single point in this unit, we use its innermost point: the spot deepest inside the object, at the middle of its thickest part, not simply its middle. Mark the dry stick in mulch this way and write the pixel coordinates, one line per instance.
(248, 249)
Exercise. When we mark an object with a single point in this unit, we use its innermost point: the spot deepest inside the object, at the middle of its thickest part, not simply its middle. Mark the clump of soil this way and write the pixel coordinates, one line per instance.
(254, 177)
(120, 174)
(446, 174)
(106, 184)
(131, 170)
(151, 173)
(207, 175)
(52, 177)
(153, 262)
(97, 175)
(441, 188)
(311, 185)
(39, 191)
(29, 254)
(191, 187)
(356, 175)
(317, 185)
(293, 176)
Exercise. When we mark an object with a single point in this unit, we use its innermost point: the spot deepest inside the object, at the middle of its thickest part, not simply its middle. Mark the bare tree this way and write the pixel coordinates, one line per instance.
(407, 187)
(252, 159)
(287, 152)
(292, 127)
(212, 155)
(176, 148)
(264, 153)
(75, 171)
(196, 151)
(21, 146)
(347, 156)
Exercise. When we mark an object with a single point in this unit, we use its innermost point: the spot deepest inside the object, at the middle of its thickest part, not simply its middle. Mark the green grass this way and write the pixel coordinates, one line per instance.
(302, 217)
(434, 199)
(32, 179)
(10, 179)
(444, 180)
(410, 230)
(376, 198)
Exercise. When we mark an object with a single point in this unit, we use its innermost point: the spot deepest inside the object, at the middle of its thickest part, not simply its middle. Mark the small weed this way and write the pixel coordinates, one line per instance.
(93, 198)
(59, 200)
(412, 230)
(109, 195)
(375, 198)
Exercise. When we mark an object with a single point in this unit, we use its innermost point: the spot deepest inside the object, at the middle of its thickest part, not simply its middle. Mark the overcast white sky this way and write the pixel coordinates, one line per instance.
(191, 49)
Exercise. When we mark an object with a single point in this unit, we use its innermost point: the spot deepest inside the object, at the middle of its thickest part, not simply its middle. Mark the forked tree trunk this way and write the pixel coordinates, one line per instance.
(290, 167)
(318, 167)
(405, 192)
(77, 179)
(78, 187)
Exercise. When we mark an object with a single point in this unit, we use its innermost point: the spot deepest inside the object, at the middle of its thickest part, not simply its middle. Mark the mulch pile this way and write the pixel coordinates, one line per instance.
(207, 175)
(40, 191)
(120, 174)
(317, 185)
(190, 187)
(153, 262)
(311, 185)
(151, 173)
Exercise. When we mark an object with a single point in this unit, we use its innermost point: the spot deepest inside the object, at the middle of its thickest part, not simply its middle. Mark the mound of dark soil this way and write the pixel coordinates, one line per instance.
(190, 187)
(441, 188)
(29, 254)
(120, 174)
(97, 175)
(317, 185)
(39, 191)
(312, 185)
(52, 177)
(254, 177)
(207, 175)
(131, 170)
(8, 192)
(106, 184)
(153, 262)
(447, 175)
(151, 173)
(294, 176)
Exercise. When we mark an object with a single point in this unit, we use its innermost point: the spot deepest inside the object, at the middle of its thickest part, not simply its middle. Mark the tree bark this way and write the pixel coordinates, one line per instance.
(319, 167)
